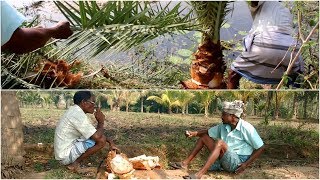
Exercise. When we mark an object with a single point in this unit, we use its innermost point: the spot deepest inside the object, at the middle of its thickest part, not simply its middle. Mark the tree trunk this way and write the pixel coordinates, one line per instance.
(244, 114)
(206, 110)
(305, 102)
(187, 109)
(141, 107)
(208, 67)
(267, 113)
(183, 110)
(255, 101)
(276, 116)
(11, 135)
(295, 106)
(62, 103)
(127, 107)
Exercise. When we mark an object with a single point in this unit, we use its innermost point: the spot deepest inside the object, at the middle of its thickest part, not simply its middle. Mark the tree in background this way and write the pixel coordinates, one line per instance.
(204, 98)
(167, 99)
(130, 98)
(184, 98)
(114, 99)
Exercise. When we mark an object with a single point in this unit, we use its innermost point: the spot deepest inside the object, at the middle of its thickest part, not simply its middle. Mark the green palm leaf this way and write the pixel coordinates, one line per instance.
(118, 25)
(211, 15)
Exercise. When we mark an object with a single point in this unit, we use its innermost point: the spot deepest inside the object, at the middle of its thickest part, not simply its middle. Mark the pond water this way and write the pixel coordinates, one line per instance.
(239, 20)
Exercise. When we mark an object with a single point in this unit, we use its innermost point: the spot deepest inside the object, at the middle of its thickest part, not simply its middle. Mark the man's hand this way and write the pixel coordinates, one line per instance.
(241, 168)
(190, 134)
(113, 147)
(99, 115)
(62, 30)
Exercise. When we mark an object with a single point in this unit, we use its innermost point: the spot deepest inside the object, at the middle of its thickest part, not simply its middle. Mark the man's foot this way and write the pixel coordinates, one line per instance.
(178, 165)
(191, 176)
(62, 30)
(74, 167)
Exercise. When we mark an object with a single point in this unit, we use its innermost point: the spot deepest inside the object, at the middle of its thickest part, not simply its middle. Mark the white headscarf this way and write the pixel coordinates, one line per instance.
(235, 107)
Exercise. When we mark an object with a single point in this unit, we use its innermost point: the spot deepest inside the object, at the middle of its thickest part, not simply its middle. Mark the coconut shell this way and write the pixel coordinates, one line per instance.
(118, 163)
(144, 162)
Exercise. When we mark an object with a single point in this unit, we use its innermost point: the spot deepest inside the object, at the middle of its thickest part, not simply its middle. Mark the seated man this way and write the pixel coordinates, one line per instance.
(268, 47)
(75, 137)
(234, 144)
(22, 40)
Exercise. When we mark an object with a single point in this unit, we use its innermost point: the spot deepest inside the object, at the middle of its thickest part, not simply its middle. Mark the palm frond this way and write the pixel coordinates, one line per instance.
(211, 15)
(119, 25)
(156, 99)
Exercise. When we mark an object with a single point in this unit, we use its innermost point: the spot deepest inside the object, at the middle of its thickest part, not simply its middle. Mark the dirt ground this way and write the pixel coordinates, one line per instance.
(310, 171)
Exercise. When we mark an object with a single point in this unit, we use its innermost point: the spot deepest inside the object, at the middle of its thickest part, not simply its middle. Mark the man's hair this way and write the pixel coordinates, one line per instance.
(80, 96)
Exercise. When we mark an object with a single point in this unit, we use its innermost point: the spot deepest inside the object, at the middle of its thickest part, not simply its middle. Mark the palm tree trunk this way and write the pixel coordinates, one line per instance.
(11, 135)
(169, 109)
(206, 110)
(187, 109)
(276, 116)
(141, 107)
(255, 101)
(269, 97)
(207, 68)
(305, 102)
(294, 106)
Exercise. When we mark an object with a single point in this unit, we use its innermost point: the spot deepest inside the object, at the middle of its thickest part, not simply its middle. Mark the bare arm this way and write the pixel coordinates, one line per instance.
(25, 40)
(255, 154)
(100, 117)
(196, 133)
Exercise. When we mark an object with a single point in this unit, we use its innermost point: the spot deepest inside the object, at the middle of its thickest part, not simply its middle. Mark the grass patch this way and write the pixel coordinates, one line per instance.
(293, 136)
(38, 167)
(62, 174)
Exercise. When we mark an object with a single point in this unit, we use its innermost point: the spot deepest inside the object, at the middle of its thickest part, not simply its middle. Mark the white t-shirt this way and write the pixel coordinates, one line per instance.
(74, 125)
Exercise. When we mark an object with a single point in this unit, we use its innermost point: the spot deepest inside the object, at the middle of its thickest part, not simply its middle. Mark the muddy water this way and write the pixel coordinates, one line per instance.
(239, 20)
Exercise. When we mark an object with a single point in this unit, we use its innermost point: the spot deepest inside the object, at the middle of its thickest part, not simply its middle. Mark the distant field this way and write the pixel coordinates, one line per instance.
(150, 128)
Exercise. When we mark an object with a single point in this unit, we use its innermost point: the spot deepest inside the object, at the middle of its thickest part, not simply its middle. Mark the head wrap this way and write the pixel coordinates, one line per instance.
(253, 9)
(235, 107)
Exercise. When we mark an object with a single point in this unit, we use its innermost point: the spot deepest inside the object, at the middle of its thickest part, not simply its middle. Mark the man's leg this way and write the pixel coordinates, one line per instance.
(99, 144)
(217, 148)
(207, 141)
(233, 80)
(25, 40)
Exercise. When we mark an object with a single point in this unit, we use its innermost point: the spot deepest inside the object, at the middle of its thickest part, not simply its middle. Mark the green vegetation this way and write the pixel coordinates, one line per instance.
(269, 104)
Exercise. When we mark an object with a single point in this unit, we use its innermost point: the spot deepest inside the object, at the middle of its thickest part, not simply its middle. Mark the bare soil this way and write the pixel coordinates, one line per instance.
(264, 168)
